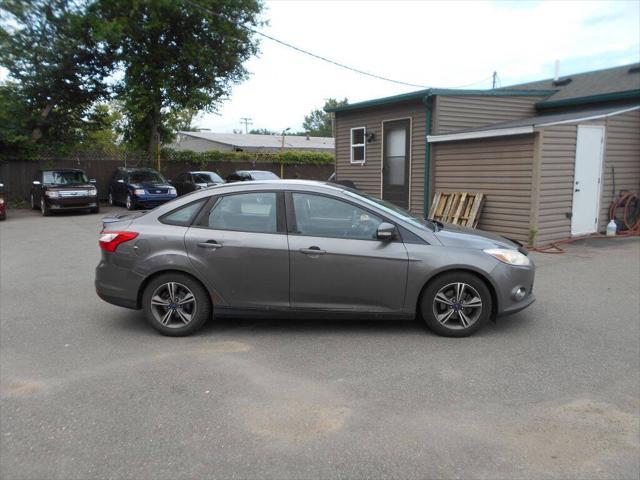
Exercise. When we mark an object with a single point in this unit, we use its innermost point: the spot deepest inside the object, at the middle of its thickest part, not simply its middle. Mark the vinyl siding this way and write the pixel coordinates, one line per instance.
(367, 177)
(453, 113)
(622, 151)
(501, 168)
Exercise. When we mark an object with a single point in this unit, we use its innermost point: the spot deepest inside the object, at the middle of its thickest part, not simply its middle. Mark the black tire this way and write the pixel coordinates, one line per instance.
(95, 209)
(200, 313)
(34, 205)
(129, 203)
(458, 322)
(110, 200)
(44, 208)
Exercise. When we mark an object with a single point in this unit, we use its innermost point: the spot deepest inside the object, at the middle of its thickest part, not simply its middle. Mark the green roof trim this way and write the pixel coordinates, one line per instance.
(605, 97)
(421, 94)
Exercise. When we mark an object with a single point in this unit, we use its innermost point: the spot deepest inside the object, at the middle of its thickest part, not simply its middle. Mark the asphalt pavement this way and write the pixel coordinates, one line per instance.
(89, 391)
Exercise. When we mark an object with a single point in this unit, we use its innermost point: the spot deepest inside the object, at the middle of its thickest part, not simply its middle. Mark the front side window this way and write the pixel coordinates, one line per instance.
(358, 145)
(65, 178)
(321, 216)
(207, 177)
(245, 212)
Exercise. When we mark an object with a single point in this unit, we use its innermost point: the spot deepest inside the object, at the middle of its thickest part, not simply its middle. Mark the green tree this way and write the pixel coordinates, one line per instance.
(14, 128)
(318, 122)
(57, 68)
(174, 57)
(263, 131)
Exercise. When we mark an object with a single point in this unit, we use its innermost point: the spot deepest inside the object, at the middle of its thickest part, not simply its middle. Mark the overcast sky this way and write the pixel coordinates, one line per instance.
(439, 44)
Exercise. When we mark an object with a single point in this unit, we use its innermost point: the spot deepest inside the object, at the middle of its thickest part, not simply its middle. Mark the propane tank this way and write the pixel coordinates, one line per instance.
(611, 228)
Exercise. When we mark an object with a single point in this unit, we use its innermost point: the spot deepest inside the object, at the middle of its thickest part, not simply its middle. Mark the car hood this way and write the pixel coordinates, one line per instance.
(453, 235)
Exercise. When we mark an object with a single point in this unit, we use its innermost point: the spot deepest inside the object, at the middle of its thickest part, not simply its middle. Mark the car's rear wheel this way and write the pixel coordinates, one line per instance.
(44, 208)
(456, 304)
(175, 304)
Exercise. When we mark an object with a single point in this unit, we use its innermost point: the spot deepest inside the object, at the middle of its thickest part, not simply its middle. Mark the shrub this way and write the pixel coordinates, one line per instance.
(286, 158)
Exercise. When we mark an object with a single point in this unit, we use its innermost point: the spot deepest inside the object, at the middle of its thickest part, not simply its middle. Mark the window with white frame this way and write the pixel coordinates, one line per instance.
(358, 141)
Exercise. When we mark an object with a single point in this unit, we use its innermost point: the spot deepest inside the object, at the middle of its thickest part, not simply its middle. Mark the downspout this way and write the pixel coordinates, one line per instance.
(428, 103)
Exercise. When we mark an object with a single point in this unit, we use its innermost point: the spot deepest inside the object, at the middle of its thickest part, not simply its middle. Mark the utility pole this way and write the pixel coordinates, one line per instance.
(247, 121)
(495, 80)
(284, 132)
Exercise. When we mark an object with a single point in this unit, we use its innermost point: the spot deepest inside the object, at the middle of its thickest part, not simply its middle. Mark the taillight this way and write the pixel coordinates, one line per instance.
(109, 240)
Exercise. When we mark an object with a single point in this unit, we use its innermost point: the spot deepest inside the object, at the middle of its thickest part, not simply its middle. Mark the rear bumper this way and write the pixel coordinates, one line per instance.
(117, 285)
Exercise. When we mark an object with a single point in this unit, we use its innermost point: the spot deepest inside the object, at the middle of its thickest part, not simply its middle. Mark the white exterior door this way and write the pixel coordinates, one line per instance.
(586, 185)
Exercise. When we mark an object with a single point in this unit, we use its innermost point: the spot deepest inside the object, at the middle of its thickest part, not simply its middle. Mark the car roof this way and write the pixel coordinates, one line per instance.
(136, 169)
(62, 170)
(283, 185)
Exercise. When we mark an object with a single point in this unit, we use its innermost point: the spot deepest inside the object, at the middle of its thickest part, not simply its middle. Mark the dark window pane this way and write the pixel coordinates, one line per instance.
(357, 136)
(184, 215)
(321, 216)
(358, 154)
(248, 212)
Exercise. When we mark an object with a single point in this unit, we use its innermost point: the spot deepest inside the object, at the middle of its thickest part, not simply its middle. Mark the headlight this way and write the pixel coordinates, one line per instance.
(512, 257)
(139, 191)
(172, 191)
(93, 192)
(52, 194)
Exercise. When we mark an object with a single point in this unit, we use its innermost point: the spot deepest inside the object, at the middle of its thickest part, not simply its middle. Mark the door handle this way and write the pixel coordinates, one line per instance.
(210, 244)
(313, 251)
(577, 189)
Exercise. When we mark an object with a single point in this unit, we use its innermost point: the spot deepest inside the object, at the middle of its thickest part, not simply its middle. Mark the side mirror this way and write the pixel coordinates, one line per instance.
(36, 182)
(386, 231)
(120, 180)
(93, 180)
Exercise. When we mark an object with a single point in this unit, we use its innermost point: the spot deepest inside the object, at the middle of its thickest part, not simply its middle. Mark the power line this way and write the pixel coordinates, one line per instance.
(247, 121)
(320, 57)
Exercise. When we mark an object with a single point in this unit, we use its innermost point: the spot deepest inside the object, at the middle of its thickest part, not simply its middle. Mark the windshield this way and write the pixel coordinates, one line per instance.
(391, 208)
(65, 178)
(264, 176)
(207, 177)
(144, 176)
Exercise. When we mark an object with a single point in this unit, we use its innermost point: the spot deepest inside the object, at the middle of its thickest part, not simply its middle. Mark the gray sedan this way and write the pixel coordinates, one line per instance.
(301, 248)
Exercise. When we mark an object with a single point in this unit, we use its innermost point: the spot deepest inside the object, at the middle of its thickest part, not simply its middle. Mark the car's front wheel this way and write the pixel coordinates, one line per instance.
(129, 203)
(44, 208)
(34, 205)
(110, 200)
(456, 304)
(175, 304)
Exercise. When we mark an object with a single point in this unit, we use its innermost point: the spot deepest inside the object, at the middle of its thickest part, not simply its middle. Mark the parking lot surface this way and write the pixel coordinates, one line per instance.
(88, 390)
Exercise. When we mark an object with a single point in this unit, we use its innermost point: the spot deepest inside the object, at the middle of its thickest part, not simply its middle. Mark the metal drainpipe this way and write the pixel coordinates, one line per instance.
(428, 103)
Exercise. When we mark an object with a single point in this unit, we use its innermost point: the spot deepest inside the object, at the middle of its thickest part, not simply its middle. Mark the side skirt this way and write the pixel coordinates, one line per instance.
(306, 313)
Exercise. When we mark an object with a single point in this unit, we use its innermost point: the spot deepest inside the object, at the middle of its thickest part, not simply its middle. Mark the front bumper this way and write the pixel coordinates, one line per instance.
(72, 203)
(151, 201)
(507, 280)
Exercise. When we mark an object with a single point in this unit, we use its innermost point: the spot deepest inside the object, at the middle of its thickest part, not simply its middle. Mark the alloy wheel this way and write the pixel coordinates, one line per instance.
(128, 203)
(111, 199)
(173, 305)
(457, 306)
(43, 207)
(33, 203)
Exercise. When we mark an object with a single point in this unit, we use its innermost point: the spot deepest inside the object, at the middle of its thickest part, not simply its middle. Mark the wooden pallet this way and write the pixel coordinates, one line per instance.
(461, 208)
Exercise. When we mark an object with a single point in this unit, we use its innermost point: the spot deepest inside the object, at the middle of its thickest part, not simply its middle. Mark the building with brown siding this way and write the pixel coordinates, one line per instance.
(525, 147)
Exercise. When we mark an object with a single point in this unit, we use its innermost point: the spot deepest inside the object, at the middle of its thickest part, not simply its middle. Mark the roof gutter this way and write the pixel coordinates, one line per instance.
(496, 132)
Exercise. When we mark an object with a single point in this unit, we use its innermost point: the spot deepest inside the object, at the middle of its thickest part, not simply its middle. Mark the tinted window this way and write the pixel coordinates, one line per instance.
(183, 216)
(207, 177)
(247, 212)
(327, 217)
(64, 178)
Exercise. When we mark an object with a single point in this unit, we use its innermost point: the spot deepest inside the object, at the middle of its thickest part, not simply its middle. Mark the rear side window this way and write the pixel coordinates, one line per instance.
(246, 212)
(183, 216)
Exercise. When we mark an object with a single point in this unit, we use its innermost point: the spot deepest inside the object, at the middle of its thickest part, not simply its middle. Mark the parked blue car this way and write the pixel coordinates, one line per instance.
(139, 188)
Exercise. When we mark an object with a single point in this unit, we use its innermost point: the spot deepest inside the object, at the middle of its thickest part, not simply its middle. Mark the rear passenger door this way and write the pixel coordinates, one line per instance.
(239, 244)
(337, 263)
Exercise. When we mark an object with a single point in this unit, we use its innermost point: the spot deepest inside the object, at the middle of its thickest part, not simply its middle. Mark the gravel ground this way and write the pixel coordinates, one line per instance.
(88, 390)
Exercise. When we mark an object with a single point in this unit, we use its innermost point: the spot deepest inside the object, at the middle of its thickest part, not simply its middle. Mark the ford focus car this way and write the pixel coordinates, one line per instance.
(302, 249)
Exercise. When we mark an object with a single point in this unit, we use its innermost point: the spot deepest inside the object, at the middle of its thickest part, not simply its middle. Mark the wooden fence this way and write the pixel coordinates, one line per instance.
(18, 175)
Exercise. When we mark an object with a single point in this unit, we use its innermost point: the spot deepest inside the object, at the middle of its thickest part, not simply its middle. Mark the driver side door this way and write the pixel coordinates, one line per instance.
(336, 261)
